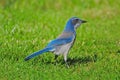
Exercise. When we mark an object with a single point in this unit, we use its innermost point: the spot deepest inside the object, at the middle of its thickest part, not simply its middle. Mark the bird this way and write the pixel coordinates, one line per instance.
(63, 43)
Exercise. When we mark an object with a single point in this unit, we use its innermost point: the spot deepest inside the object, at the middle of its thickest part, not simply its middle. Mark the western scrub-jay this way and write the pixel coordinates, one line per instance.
(63, 43)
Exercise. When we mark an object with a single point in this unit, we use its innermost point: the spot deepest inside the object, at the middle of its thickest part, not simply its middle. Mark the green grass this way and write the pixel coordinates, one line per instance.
(28, 25)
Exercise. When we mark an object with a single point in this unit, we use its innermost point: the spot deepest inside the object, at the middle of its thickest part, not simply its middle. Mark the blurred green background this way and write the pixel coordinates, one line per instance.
(28, 25)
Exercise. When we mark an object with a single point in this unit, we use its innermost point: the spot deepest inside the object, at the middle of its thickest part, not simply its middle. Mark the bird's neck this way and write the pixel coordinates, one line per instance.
(69, 28)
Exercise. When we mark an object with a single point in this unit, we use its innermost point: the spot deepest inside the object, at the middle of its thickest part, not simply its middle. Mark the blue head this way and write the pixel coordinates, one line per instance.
(73, 23)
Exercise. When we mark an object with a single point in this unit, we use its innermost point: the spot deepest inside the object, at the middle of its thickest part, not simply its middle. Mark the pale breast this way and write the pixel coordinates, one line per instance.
(63, 49)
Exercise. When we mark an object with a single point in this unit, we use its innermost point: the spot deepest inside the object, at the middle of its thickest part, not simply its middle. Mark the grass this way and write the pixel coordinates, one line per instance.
(27, 26)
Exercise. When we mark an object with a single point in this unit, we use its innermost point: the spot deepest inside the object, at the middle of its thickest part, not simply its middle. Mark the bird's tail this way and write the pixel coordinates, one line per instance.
(37, 53)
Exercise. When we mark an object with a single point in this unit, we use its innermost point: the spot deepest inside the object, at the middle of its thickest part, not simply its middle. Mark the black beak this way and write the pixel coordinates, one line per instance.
(83, 21)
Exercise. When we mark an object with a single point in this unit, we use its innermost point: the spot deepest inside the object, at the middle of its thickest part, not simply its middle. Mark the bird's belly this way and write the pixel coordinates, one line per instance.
(62, 49)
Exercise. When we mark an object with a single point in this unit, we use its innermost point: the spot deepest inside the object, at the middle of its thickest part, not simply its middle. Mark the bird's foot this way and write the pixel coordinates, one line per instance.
(67, 65)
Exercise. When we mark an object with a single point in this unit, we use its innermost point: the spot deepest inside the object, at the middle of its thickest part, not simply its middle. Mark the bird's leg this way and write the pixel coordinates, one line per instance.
(65, 59)
(67, 64)
(56, 56)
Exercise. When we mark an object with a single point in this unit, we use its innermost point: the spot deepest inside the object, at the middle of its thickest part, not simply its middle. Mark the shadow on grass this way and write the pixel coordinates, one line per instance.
(76, 60)
(82, 60)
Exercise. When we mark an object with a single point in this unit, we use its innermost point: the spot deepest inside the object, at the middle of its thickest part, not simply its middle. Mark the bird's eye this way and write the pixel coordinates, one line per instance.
(77, 19)
(74, 21)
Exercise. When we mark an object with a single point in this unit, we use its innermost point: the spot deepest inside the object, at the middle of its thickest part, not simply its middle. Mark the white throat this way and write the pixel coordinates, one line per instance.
(76, 26)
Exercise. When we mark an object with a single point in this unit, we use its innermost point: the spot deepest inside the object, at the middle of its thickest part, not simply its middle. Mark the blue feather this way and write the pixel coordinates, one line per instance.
(60, 41)
(38, 53)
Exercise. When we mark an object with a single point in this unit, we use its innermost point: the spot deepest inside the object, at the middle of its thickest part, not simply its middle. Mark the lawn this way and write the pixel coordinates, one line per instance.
(28, 25)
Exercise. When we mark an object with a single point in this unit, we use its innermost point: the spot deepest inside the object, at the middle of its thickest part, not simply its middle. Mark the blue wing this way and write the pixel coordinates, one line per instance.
(60, 41)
